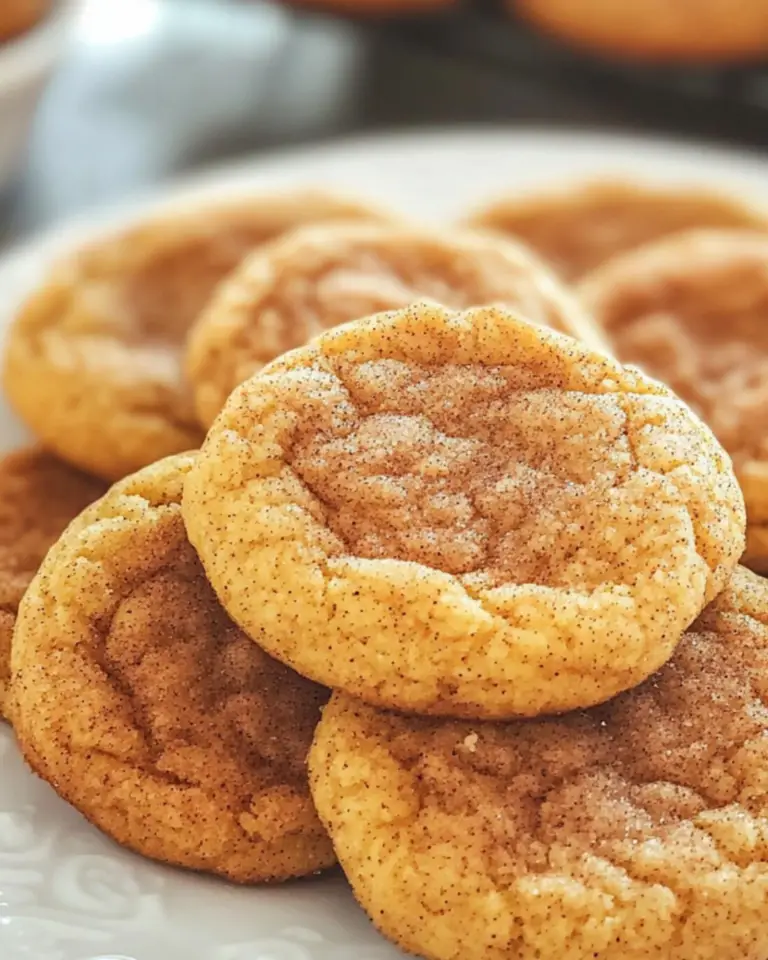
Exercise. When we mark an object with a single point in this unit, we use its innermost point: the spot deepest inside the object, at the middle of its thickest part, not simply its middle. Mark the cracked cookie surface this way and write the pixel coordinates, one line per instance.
(94, 358)
(463, 514)
(39, 495)
(632, 831)
(322, 276)
(581, 226)
(691, 310)
(144, 706)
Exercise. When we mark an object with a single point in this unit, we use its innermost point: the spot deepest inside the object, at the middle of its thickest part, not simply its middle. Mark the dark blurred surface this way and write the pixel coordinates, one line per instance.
(155, 88)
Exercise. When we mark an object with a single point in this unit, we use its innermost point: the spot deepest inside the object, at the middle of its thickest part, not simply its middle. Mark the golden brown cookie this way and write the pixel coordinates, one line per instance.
(638, 829)
(93, 362)
(580, 226)
(146, 708)
(691, 310)
(705, 30)
(321, 276)
(463, 514)
(756, 551)
(39, 495)
(16, 16)
(376, 8)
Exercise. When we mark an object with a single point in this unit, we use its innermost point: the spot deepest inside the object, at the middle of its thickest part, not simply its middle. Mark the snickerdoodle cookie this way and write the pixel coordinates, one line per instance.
(39, 495)
(325, 275)
(638, 829)
(377, 8)
(578, 227)
(691, 310)
(144, 706)
(93, 363)
(463, 514)
(16, 16)
(705, 30)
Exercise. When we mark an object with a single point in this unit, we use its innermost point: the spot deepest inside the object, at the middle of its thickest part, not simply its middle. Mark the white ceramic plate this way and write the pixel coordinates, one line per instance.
(68, 893)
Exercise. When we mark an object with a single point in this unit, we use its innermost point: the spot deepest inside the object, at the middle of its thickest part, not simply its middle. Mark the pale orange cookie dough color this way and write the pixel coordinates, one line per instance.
(146, 708)
(634, 830)
(94, 357)
(663, 30)
(324, 275)
(578, 226)
(691, 310)
(463, 514)
(377, 8)
(18, 16)
(39, 496)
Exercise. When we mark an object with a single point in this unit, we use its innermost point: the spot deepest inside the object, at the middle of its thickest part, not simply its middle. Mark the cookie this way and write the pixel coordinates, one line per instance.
(16, 16)
(756, 551)
(143, 705)
(580, 226)
(635, 829)
(674, 30)
(93, 363)
(691, 311)
(376, 8)
(325, 275)
(463, 514)
(39, 495)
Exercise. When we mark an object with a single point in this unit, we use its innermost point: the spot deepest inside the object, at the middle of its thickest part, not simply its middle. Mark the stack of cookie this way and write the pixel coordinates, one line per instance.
(458, 519)
(501, 566)
(94, 364)
(130, 678)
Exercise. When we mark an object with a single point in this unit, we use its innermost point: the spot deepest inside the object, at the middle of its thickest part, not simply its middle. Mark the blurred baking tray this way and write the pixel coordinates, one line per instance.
(728, 103)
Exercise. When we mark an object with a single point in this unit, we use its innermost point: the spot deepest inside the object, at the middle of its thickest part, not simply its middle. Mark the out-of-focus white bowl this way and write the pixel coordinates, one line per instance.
(26, 65)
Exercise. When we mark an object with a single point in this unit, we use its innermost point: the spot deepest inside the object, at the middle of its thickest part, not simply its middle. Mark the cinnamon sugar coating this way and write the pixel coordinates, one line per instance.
(324, 275)
(144, 706)
(94, 358)
(462, 514)
(39, 495)
(579, 227)
(691, 311)
(638, 829)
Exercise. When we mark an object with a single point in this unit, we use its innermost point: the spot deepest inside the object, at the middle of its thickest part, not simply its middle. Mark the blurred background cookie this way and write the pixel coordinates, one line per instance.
(578, 226)
(707, 30)
(636, 829)
(16, 16)
(691, 310)
(462, 514)
(93, 362)
(147, 709)
(375, 8)
(39, 495)
(321, 276)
